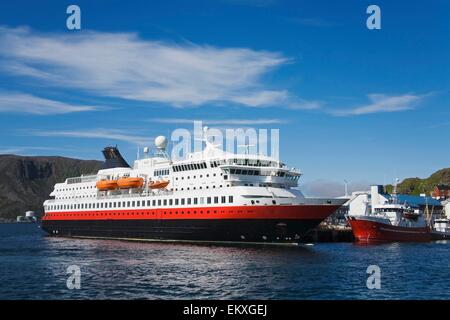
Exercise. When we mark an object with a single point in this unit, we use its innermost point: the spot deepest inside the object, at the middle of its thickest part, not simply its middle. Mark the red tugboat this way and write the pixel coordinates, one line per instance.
(390, 222)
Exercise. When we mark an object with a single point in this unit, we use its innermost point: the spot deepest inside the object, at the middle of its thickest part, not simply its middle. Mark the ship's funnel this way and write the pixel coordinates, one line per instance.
(113, 158)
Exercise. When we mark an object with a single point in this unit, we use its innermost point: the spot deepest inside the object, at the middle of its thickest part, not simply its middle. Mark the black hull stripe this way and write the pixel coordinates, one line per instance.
(251, 230)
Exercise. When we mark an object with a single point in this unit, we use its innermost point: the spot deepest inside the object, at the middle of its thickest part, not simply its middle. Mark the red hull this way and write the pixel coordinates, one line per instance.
(371, 231)
(295, 212)
(275, 223)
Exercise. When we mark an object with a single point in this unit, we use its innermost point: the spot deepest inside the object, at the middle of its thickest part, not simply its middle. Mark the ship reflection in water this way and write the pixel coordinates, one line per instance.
(34, 267)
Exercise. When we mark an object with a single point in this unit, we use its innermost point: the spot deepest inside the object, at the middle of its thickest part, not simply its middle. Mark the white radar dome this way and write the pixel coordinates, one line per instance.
(161, 142)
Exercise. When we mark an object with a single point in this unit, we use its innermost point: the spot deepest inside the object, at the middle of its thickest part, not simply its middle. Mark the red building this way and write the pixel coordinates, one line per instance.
(441, 192)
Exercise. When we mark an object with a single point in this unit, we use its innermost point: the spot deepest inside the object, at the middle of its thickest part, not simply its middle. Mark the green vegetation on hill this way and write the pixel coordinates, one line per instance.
(416, 186)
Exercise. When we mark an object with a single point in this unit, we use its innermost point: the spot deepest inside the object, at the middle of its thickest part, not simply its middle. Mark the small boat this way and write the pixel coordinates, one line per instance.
(441, 229)
(390, 222)
(105, 185)
(161, 184)
(130, 182)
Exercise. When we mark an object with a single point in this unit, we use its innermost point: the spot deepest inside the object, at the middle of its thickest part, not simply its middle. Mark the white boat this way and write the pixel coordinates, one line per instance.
(441, 229)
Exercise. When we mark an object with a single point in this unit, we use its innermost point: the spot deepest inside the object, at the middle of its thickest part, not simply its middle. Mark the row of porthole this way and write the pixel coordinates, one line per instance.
(195, 177)
(78, 188)
(128, 213)
(200, 188)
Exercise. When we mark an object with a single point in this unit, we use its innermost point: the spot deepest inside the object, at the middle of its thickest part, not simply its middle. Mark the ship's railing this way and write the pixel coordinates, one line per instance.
(101, 195)
(87, 178)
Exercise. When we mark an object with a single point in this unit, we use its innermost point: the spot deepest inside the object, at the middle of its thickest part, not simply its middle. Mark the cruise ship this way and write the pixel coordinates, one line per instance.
(212, 196)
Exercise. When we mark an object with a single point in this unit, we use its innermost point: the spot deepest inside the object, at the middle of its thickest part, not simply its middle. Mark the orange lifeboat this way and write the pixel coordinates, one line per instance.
(126, 183)
(159, 184)
(105, 185)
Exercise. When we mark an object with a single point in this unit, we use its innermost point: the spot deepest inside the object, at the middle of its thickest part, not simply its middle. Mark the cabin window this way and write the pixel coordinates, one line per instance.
(159, 202)
(195, 200)
(188, 200)
(216, 199)
(223, 199)
(176, 202)
(230, 199)
(182, 201)
(154, 203)
(170, 202)
(165, 202)
(208, 200)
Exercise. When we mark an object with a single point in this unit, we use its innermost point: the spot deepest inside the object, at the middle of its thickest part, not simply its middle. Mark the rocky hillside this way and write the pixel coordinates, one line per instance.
(417, 186)
(25, 182)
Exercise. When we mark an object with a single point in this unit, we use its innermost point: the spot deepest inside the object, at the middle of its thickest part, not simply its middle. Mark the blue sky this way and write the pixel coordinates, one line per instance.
(350, 103)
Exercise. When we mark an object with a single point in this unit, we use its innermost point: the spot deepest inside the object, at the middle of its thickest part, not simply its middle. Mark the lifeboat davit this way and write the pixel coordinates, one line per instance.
(159, 184)
(126, 183)
(104, 185)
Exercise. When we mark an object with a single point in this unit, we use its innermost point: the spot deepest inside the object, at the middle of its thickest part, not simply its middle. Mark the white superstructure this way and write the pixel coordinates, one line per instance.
(211, 177)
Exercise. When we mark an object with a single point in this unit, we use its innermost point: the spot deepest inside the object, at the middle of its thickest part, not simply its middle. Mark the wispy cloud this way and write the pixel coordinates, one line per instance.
(32, 149)
(27, 103)
(383, 103)
(234, 122)
(281, 99)
(126, 66)
(100, 133)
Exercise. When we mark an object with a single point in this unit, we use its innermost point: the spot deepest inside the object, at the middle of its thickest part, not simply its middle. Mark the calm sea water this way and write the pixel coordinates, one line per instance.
(33, 266)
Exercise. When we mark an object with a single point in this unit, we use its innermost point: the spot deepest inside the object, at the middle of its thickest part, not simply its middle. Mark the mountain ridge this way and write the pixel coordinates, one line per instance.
(26, 181)
(417, 186)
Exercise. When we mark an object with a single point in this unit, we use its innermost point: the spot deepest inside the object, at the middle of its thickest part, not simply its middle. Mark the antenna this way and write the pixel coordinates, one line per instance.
(247, 147)
(205, 139)
(397, 180)
(346, 187)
